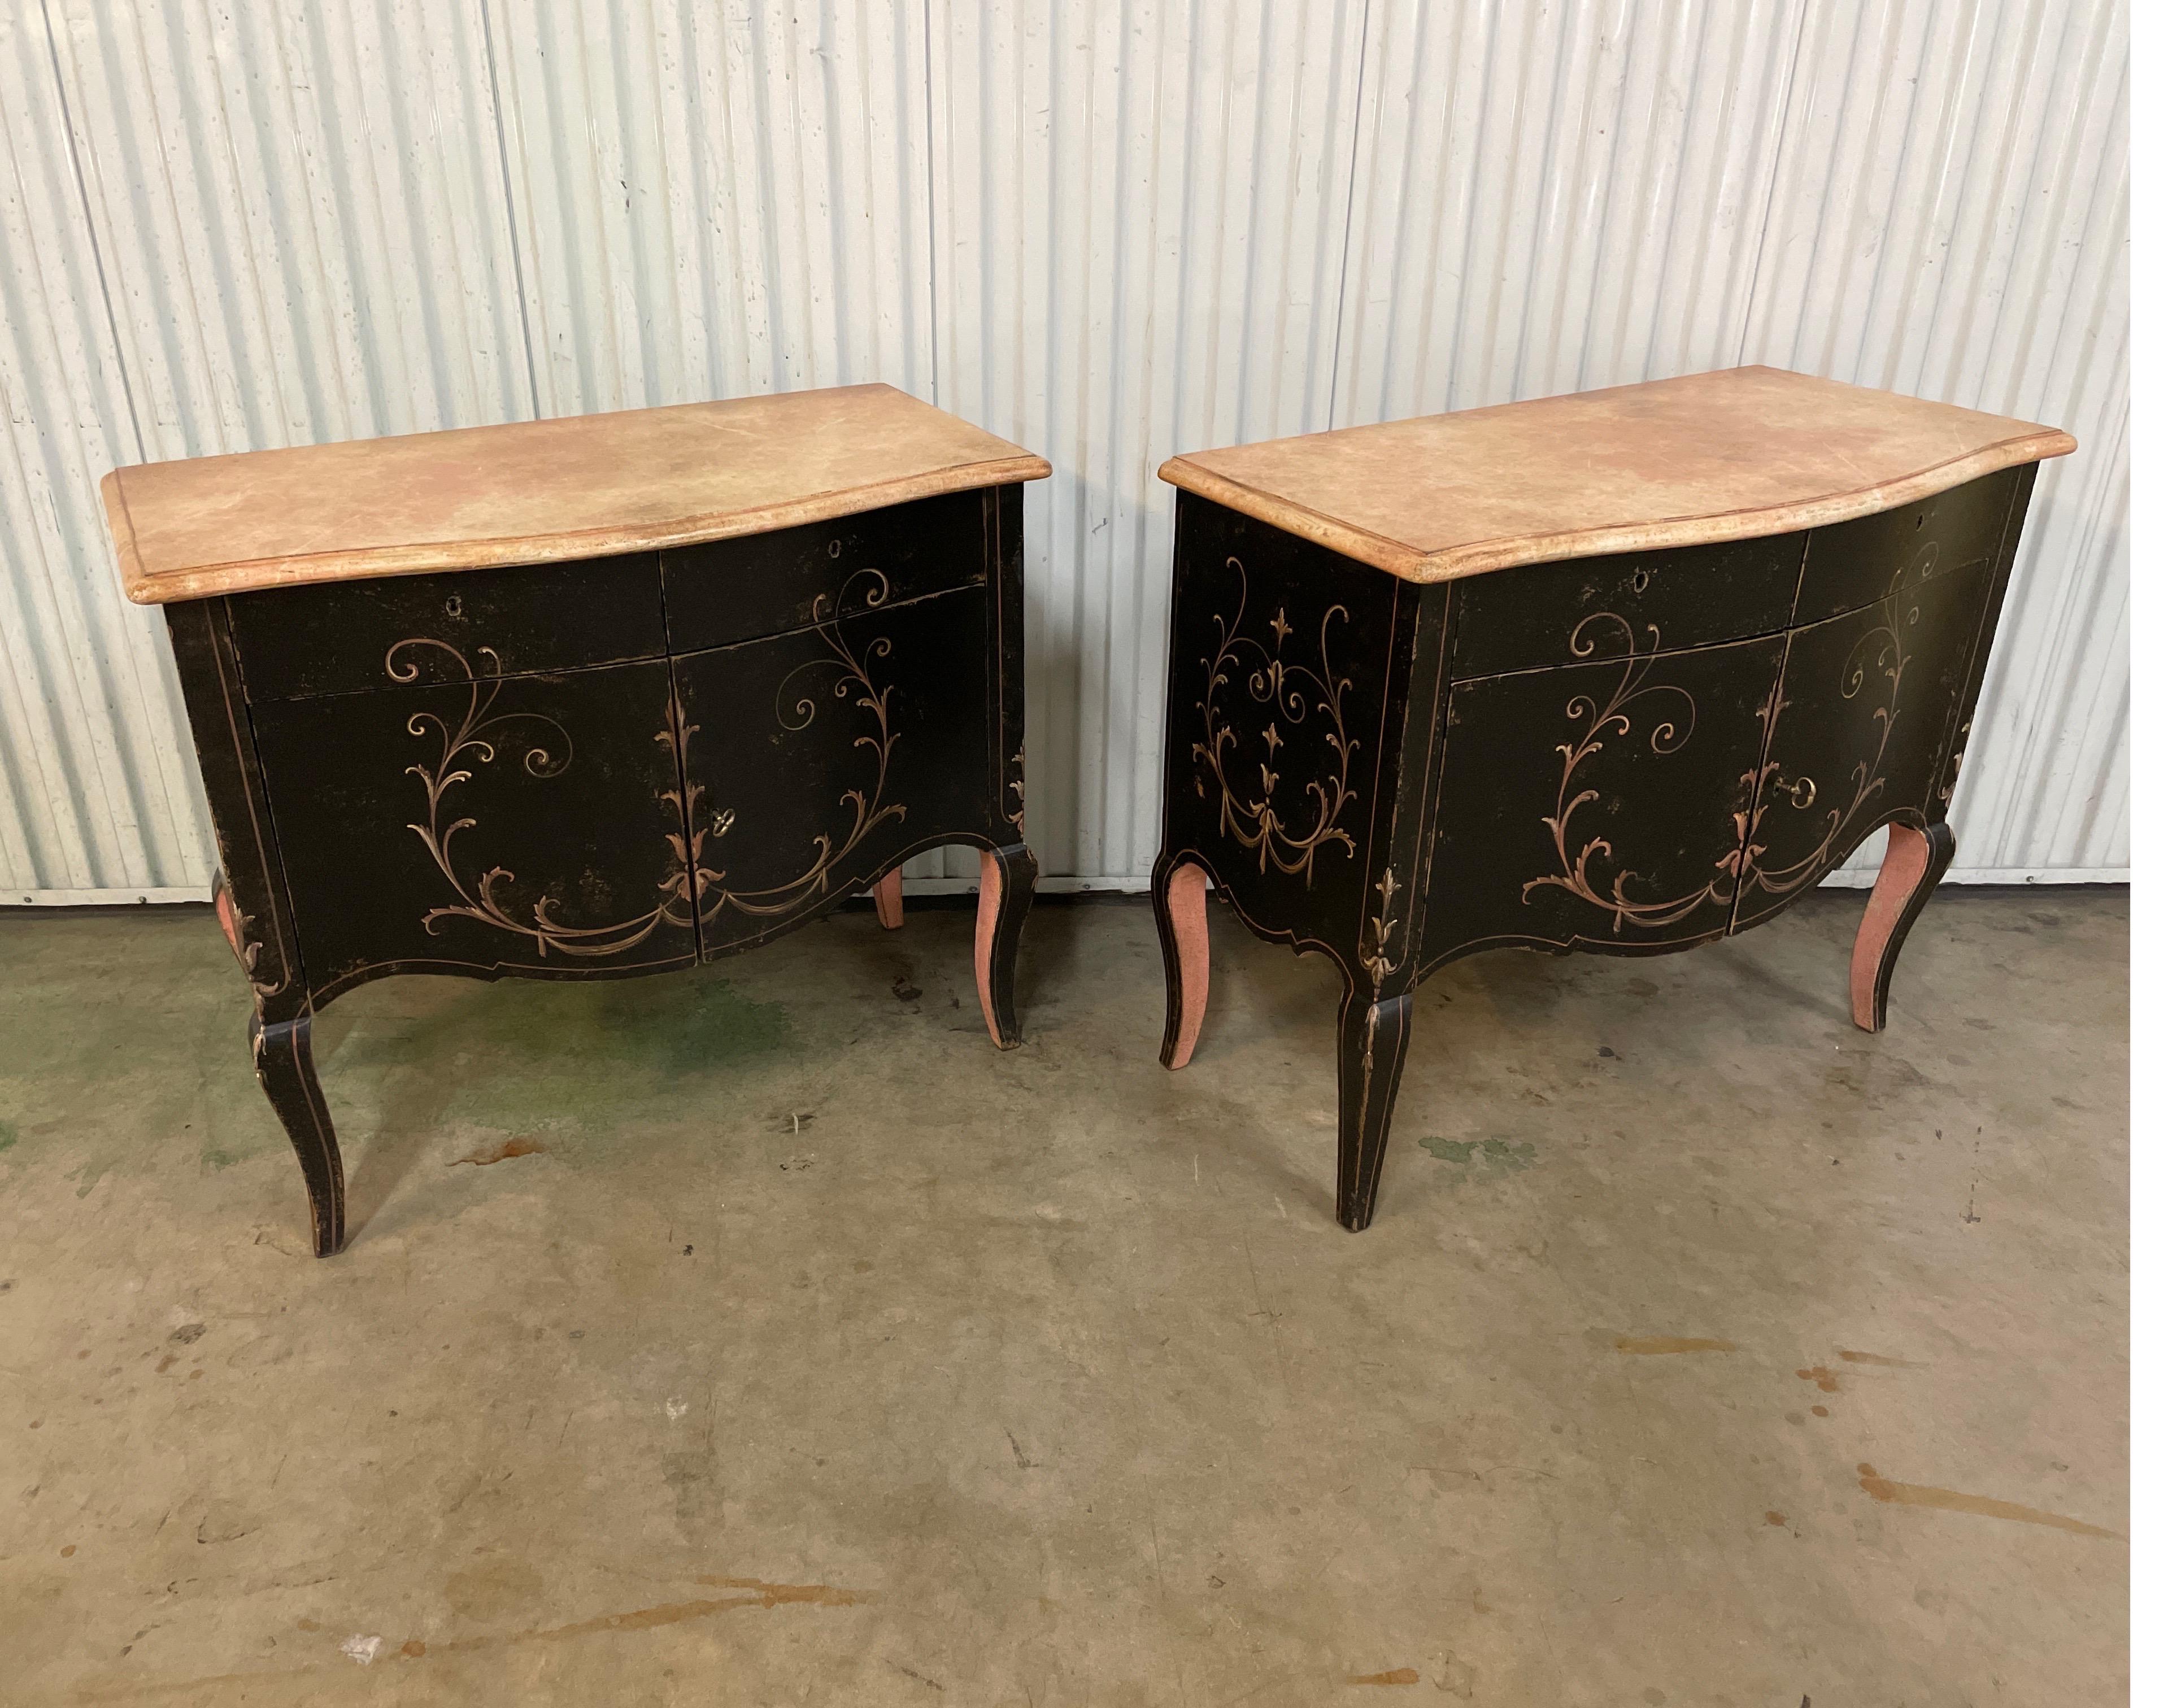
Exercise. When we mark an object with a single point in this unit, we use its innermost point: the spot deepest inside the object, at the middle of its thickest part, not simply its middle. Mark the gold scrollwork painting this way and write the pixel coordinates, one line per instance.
(1671, 715)
(1585, 868)
(241, 929)
(692, 891)
(1384, 924)
(1878, 651)
(1295, 697)
(474, 739)
(795, 707)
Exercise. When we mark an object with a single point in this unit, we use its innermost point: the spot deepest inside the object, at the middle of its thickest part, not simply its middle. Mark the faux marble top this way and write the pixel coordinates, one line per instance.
(538, 492)
(1729, 455)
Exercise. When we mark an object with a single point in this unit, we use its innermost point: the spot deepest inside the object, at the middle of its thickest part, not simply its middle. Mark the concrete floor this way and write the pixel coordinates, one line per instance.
(1706, 1350)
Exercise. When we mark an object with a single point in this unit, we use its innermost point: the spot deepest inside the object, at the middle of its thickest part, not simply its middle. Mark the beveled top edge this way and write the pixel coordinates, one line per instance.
(594, 486)
(1561, 473)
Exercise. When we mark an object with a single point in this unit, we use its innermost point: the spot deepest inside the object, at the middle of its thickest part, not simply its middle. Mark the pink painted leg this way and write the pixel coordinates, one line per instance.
(886, 895)
(988, 919)
(1188, 947)
(1006, 882)
(1915, 859)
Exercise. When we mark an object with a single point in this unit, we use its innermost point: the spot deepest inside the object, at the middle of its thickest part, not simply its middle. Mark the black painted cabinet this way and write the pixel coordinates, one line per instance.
(605, 768)
(1627, 754)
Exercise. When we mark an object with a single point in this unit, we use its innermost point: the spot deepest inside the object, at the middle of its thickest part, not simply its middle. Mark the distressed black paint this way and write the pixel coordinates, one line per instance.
(332, 638)
(510, 772)
(1631, 754)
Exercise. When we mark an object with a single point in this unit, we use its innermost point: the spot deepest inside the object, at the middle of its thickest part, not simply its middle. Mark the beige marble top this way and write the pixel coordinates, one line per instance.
(1710, 456)
(538, 492)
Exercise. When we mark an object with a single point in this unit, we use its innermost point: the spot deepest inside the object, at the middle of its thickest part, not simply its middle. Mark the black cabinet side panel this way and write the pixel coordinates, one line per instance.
(256, 912)
(1285, 680)
(1964, 716)
(1004, 662)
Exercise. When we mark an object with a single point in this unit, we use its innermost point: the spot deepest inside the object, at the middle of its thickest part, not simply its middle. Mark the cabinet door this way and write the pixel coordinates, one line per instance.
(1603, 803)
(524, 824)
(815, 761)
(1862, 729)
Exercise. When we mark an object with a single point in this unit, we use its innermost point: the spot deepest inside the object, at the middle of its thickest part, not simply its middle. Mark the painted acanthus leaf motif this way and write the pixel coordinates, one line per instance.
(690, 891)
(240, 931)
(1954, 768)
(1375, 960)
(1293, 695)
(1016, 815)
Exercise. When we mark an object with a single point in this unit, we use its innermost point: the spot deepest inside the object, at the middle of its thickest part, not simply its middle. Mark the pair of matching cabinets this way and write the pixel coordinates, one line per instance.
(610, 697)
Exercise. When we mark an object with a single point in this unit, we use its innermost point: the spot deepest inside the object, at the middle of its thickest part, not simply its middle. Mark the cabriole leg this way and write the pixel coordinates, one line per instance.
(1178, 906)
(1916, 859)
(282, 1054)
(885, 896)
(1006, 880)
(1374, 1037)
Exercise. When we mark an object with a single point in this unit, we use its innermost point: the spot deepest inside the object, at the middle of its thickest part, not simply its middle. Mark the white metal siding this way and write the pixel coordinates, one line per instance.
(1950, 219)
(1109, 231)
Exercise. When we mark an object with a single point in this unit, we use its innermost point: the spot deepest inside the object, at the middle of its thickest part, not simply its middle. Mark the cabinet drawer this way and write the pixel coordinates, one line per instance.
(1855, 564)
(1693, 596)
(337, 637)
(768, 584)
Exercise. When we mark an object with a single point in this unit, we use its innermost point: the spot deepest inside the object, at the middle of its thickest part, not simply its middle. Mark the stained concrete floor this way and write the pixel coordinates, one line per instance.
(1705, 1351)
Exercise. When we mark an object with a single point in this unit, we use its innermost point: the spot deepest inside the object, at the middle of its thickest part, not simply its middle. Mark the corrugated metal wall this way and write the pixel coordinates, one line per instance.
(1108, 231)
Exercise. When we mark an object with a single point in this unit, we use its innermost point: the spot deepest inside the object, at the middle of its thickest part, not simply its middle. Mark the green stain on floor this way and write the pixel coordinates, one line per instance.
(1483, 1159)
(604, 1067)
(86, 1077)
(605, 1061)
(720, 1028)
(670, 1027)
